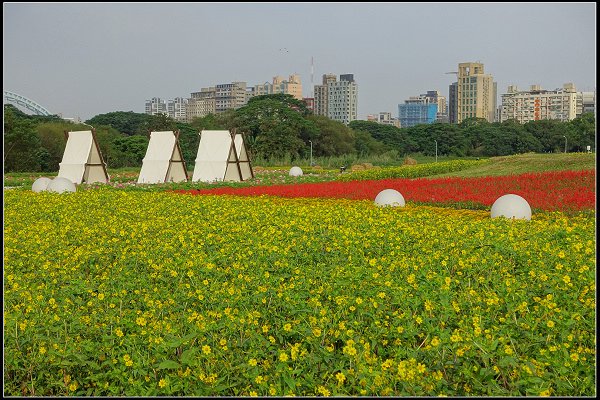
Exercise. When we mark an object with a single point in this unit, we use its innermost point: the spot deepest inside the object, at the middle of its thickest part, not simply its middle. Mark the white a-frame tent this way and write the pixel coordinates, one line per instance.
(222, 156)
(163, 161)
(82, 161)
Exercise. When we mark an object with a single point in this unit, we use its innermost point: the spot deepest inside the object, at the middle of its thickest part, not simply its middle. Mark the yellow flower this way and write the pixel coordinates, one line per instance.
(252, 362)
(118, 332)
(340, 377)
(162, 383)
(283, 357)
(550, 324)
(206, 349)
(100, 296)
(287, 327)
(317, 332)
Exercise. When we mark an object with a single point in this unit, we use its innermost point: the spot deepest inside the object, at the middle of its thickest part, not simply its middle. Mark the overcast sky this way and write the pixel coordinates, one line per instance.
(86, 59)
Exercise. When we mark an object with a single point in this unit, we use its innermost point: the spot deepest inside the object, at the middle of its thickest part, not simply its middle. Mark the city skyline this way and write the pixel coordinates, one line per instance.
(112, 57)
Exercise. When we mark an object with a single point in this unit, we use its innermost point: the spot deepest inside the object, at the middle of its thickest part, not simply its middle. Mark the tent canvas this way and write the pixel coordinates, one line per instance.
(163, 161)
(218, 158)
(82, 160)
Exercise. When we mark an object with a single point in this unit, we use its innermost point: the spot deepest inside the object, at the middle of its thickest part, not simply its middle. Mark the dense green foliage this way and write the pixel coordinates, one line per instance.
(281, 127)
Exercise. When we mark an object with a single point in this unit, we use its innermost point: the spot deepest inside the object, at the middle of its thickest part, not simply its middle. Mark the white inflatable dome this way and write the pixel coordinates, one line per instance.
(61, 185)
(511, 206)
(390, 197)
(296, 171)
(41, 184)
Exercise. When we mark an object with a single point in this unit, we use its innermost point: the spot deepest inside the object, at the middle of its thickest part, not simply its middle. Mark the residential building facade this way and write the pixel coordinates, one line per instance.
(343, 99)
(475, 93)
(156, 106)
(384, 118)
(292, 86)
(322, 95)
(177, 109)
(536, 104)
(201, 103)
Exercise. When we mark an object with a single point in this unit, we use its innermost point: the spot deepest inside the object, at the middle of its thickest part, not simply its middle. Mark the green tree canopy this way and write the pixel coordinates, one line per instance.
(276, 126)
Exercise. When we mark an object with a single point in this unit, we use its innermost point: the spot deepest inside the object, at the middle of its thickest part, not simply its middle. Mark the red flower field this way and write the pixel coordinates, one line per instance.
(551, 191)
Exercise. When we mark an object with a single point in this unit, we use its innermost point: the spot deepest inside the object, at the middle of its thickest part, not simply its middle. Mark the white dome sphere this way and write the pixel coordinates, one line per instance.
(511, 206)
(60, 185)
(41, 184)
(390, 197)
(296, 171)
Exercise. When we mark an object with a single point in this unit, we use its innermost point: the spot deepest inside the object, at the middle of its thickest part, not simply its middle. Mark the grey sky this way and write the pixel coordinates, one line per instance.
(86, 59)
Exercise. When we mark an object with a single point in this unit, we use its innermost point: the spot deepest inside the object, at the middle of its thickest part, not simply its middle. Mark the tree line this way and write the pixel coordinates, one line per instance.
(282, 127)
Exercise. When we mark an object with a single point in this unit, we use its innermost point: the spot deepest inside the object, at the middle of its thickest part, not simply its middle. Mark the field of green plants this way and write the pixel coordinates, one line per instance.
(117, 292)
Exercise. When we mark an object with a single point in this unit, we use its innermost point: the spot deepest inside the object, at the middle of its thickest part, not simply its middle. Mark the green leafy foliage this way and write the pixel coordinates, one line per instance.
(280, 127)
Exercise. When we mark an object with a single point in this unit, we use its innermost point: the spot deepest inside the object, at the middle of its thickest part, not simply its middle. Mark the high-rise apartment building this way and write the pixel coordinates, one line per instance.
(475, 93)
(293, 86)
(343, 99)
(337, 100)
(156, 106)
(452, 103)
(230, 96)
(217, 99)
(417, 110)
(176, 108)
(201, 104)
(322, 95)
(536, 104)
(587, 103)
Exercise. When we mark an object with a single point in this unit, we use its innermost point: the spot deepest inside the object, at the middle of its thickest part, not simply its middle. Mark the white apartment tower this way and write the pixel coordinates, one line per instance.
(156, 106)
(342, 101)
(176, 108)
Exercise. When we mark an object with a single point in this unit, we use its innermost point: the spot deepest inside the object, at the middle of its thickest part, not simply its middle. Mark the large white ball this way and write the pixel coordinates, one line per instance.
(41, 184)
(296, 171)
(511, 206)
(61, 185)
(390, 197)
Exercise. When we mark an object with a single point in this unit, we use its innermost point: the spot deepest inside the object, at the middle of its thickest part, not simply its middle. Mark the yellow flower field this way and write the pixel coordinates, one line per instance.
(130, 293)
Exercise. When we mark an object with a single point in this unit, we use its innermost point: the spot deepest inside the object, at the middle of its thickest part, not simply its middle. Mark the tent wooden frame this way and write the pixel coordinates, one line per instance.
(87, 165)
(233, 136)
(181, 160)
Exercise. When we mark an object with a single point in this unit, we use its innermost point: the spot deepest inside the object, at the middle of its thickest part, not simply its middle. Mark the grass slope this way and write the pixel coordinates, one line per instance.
(530, 162)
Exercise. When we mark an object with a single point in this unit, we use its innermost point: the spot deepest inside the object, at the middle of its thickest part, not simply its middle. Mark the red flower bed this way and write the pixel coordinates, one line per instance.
(552, 191)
